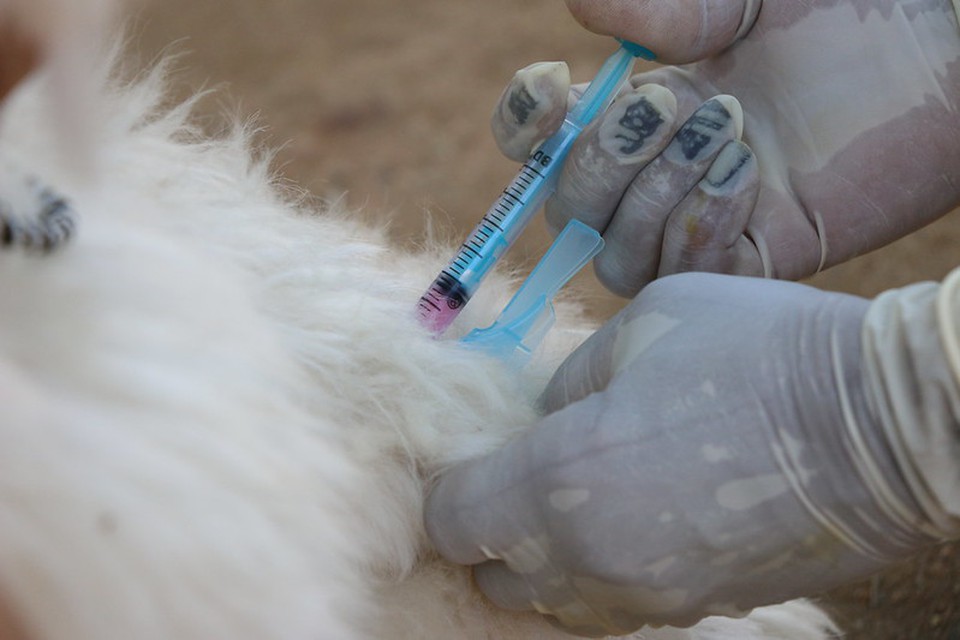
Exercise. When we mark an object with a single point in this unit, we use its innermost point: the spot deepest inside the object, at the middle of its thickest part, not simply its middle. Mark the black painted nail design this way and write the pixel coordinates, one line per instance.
(639, 121)
(703, 127)
(521, 104)
(728, 165)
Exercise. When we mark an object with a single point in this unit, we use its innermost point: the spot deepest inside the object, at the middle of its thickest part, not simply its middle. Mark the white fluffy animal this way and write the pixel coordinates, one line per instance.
(218, 416)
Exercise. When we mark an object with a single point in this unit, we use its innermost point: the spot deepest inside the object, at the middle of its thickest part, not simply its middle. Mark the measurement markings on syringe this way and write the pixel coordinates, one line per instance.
(470, 247)
(497, 218)
(485, 231)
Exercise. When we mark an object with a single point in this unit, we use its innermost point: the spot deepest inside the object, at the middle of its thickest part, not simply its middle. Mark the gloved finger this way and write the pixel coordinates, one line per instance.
(678, 32)
(531, 108)
(474, 514)
(515, 591)
(706, 230)
(634, 237)
(504, 587)
(609, 154)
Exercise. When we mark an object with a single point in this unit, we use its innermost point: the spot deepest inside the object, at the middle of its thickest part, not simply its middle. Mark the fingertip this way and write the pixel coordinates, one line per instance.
(700, 137)
(531, 108)
(661, 96)
(503, 587)
(545, 81)
(638, 125)
(735, 109)
(734, 169)
(551, 597)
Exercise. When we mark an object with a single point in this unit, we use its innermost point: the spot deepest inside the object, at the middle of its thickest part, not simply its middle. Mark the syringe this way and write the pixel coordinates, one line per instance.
(523, 197)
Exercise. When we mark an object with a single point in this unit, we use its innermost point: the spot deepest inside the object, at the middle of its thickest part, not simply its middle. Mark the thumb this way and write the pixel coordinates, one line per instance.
(478, 509)
(531, 108)
(677, 32)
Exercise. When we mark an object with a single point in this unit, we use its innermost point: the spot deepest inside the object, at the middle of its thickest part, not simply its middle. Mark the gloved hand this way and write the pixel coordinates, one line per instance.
(851, 107)
(722, 443)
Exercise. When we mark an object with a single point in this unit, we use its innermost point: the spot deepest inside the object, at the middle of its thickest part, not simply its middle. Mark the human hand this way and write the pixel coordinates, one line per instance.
(850, 107)
(716, 447)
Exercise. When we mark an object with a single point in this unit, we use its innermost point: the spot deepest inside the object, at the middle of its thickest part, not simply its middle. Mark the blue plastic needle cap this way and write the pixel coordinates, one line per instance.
(528, 317)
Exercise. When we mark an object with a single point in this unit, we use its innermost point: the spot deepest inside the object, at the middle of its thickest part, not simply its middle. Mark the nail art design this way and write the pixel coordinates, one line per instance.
(638, 122)
(521, 104)
(699, 131)
(728, 164)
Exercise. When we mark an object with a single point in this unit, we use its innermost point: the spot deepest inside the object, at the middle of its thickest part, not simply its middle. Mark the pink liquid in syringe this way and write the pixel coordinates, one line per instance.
(442, 303)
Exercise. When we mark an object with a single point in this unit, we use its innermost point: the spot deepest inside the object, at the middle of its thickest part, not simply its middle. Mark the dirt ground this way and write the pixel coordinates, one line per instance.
(385, 104)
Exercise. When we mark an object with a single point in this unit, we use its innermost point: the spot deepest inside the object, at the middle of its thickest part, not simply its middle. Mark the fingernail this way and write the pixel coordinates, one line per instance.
(531, 107)
(715, 122)
(533, 88)
(728, 168)
(635, 119)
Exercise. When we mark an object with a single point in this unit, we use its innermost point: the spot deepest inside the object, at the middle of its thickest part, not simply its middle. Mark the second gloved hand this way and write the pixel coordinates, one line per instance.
(723, 443)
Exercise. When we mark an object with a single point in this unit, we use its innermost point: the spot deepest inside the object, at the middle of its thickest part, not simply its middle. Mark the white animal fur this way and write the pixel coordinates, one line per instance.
(218, 416)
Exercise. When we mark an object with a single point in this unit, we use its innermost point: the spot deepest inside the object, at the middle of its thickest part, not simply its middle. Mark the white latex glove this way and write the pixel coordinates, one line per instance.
(851, 107)
(723, 443)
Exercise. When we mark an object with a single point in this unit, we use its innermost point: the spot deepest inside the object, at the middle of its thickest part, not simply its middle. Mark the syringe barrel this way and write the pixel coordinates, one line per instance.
(498, 229)
(512, 212)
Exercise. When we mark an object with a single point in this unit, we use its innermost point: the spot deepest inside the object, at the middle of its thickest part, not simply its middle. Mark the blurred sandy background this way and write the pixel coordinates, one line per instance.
(386, 105)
